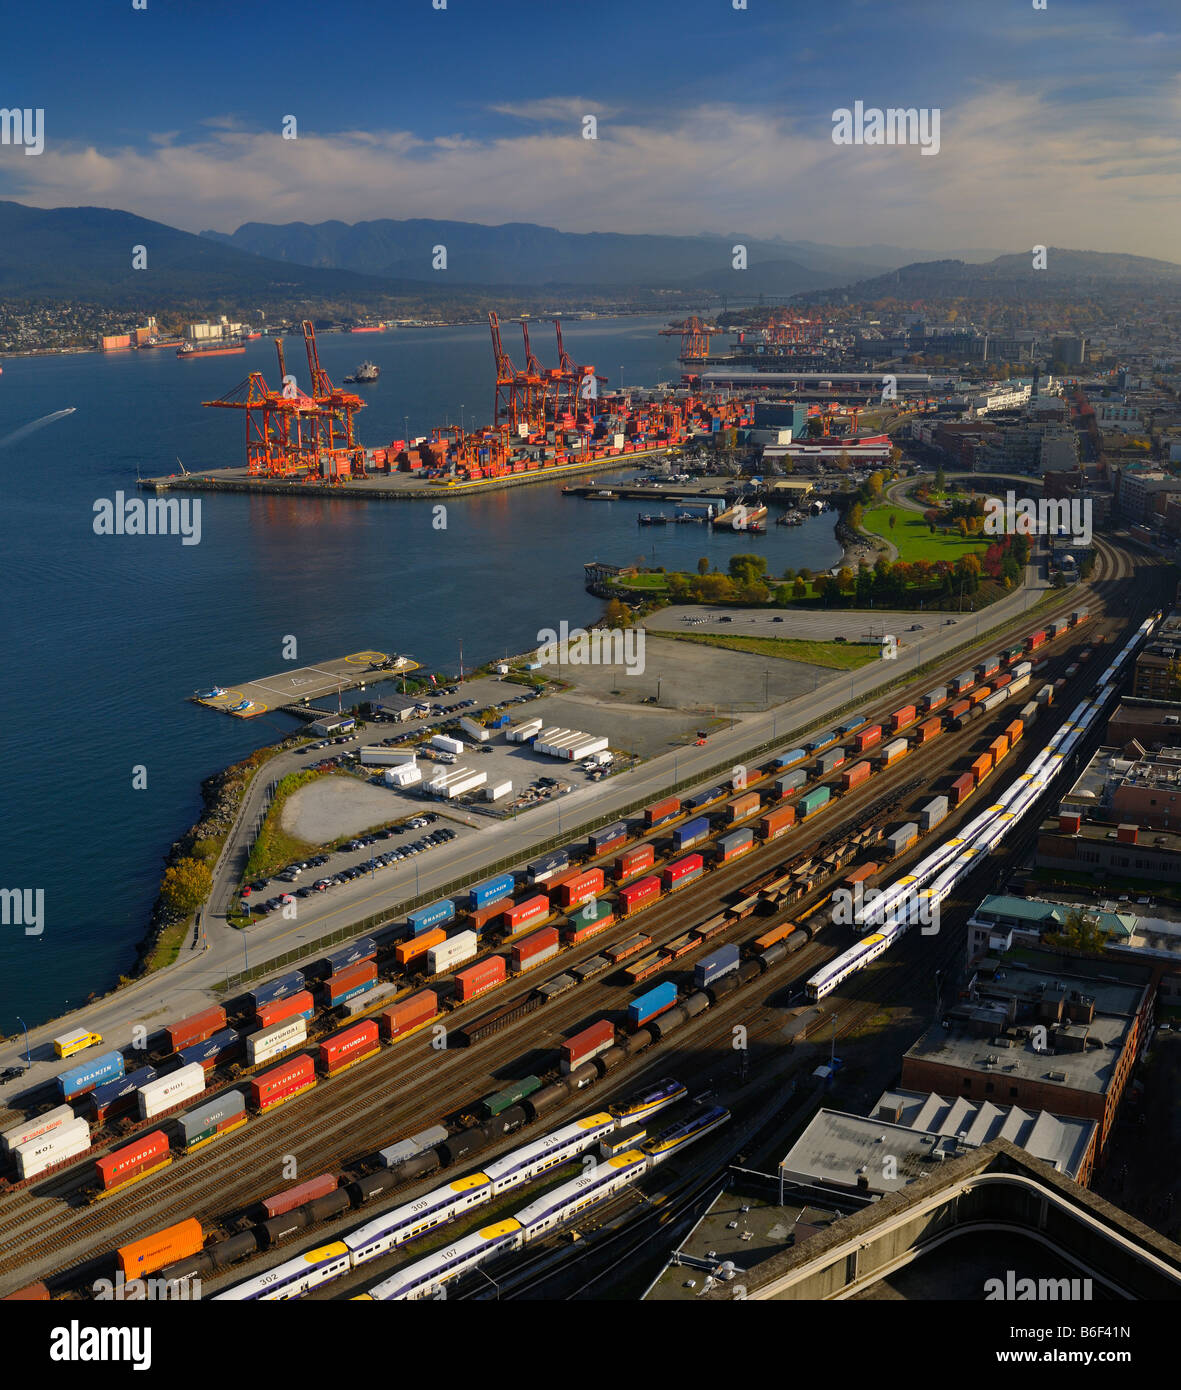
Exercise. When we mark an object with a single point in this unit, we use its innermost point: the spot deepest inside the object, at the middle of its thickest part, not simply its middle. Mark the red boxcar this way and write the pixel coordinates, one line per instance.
(1034, 640)
(661, 811)
(196, 1028)
(638, 895)
(143, 1154)
(486, 974)
(777, 822)
(348, 1046)
(534, 909)
(479, 920)
(282, 1202)
(579, 888)
(587, 1044)
(279, 1009)
(683, 871)
(901, 718)
(634, 861)
(866, 738)
(344, 980)
(282, 1082)
(534, 948)
(409, 1014)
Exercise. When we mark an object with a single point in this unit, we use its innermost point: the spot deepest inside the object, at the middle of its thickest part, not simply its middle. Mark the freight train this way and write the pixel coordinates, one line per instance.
(913, 895)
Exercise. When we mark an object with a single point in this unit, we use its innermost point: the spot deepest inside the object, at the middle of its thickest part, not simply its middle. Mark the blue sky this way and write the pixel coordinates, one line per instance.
(1057, 126)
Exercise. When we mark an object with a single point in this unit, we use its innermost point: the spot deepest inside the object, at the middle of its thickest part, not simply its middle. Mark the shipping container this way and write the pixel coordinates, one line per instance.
(31, 1293)
(350, 1045)
(195, 1029)
(347, 982)
(855, 775)
(786, 760)
(518, 917)
(494, 912)
(1034, 640)
(790, 782)
(1045, 695)
(958, 709)
(490, 891)
(1019, 684)
(999, 749)
(413, 952)
(87, 1075)
(434, 915)
(35, 1127)
(981, 767)
(364, 949)
(979, 695)
(894, 750)
(634, 861)
(927, 730)
(861, 874)
(512, 1094)
(587, 921)
(706, 798)
(609, 838)
(223, 1046)
(639, 895)
(147, 1153)
(1079, 617)
(777, 822)
(280, 1203)
(282, 1083)
(282, 988)
(933, 812)
(408, 1015)
(830, 761)
(902, 839)
(479, 978)
(988, 667)
(867, 738)
(115, 1097)
(963, 682)
(661, 811)
(690, 834)
(962, 788)
(722, 961)
(66, 1141)
(218, 1116)
(769, 938)
(735, 844)
(647, 1006)
(145, 1256)
(587, 1043)
(1022, 668)
(269, 1043)
(812, 801)
(743, 806)
(682, 872)
(299, 1005)
(548, 866)
(456, 950)
(579, 888)
(934, 699)
(1014, 731)
(901, 718)
(533, 949)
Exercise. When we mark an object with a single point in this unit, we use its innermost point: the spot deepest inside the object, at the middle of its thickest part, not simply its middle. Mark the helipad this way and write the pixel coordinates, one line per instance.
(300, 683)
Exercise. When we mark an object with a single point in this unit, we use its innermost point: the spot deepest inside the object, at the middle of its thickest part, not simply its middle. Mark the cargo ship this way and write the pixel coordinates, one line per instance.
(219, 347)
(162, 343)
(366, 372)
(367, 328)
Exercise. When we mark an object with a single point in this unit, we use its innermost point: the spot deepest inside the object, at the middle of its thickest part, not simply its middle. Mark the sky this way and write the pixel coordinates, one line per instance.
(1058, 126)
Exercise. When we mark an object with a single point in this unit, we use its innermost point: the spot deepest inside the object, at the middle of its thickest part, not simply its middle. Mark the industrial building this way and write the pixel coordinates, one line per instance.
(1043, 1033)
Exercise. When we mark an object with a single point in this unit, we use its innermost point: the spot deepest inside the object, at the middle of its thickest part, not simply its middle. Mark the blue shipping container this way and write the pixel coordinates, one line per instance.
(718, 963)
(547, 866)
(105, 1067)
(363, 949)
(691, 833)
(433, 915)
(335, 999)
(704, 798)
(646, 1006)
(282, 988)
(797, 755)
(855, 723)
(222, 1042)
(484, 893)
(111, 1091)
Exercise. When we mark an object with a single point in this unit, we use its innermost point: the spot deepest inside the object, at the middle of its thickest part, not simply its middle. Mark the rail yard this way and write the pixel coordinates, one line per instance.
(563, 989)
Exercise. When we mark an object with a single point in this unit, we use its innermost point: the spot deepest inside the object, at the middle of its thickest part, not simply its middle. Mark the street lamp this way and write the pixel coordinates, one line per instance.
(28, 1055)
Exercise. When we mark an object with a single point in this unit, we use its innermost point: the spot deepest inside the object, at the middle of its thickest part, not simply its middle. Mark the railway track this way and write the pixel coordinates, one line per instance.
(323, 1128)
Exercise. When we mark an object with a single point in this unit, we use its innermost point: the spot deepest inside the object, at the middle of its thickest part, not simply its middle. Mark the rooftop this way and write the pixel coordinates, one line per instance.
(1039, 912)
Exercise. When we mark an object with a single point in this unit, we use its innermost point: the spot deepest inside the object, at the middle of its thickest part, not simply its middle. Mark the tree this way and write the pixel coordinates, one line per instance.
(856, 516)
(845, 579)
(874, 483)
(893, 520)
(618, 614)
(1081, 931)
(940, 479)
(799, 589)
(703, 565)
(747, 569)
(783, 595)
(186, 885)
(823, 586)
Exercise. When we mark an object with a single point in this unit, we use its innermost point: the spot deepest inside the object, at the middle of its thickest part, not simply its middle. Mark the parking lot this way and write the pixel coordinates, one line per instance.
(808, 626)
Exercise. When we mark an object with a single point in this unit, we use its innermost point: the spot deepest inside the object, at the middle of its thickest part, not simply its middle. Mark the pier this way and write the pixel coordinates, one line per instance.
(303, 683)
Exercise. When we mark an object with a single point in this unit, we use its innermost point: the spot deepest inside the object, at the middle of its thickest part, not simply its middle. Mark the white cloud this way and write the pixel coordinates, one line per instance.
(1010, 172)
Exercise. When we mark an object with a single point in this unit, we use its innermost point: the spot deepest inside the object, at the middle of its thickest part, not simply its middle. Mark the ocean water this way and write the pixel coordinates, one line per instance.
(106, 637)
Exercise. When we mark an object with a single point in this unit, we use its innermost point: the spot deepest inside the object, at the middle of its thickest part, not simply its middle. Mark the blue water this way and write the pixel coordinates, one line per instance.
(107, 636)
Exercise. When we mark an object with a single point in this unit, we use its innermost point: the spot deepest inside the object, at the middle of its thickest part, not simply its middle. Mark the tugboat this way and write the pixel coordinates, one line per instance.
(364, 374)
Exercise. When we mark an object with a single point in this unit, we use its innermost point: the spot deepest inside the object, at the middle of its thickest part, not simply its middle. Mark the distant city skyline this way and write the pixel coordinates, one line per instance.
(1058, 127)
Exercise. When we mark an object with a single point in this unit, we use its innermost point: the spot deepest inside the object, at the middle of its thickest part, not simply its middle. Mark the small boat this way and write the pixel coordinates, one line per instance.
(365, 373)
(652, 519)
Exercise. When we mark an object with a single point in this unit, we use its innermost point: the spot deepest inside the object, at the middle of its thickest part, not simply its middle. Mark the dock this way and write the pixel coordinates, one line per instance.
(299, 684)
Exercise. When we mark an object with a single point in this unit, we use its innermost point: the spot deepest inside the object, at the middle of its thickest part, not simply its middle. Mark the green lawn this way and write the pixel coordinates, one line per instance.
(914, 539)
(836, 656)
(643, 581)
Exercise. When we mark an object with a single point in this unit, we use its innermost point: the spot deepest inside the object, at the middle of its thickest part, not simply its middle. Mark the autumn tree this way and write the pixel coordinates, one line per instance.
(186, 885)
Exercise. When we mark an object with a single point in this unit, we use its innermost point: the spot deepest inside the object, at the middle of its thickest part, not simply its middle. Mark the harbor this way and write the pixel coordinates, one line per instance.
(294, 688)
